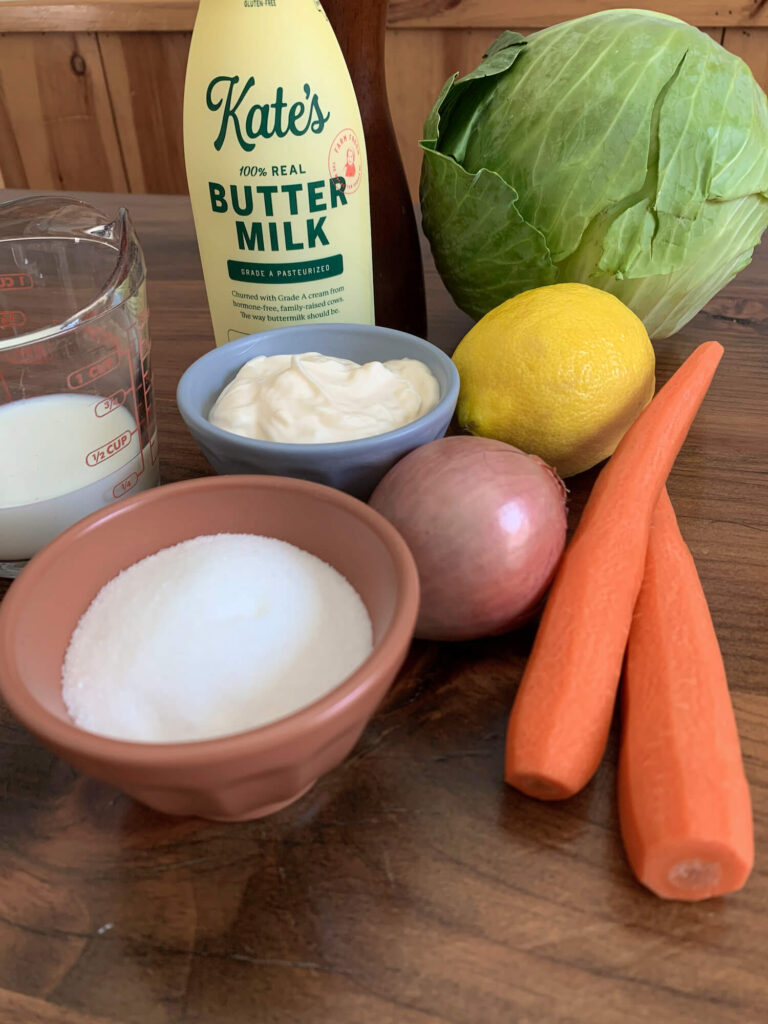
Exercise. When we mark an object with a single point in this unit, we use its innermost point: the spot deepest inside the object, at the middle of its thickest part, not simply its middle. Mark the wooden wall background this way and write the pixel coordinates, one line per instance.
(91, 91)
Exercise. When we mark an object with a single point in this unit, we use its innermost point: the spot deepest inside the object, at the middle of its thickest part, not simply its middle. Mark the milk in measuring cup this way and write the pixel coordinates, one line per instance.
(62, 456)
(77, 423)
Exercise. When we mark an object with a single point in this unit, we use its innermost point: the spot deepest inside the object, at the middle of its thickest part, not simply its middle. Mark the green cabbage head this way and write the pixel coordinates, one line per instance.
(626, 150)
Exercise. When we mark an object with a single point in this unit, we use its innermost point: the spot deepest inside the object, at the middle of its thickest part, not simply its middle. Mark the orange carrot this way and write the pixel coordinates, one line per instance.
(684, 806)
(560, 719)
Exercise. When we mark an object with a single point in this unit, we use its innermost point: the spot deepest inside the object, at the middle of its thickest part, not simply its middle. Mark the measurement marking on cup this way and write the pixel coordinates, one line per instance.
(87, 374)
(108, 405)
(12, 318)
(106, 451)
(31, 355)
(125, 485)
(11, 282)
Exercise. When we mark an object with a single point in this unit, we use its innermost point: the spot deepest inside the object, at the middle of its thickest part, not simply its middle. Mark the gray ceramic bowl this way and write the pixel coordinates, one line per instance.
(352, 466)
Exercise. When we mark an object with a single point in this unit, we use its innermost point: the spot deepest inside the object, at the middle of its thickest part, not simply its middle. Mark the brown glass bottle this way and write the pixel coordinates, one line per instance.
(398, 277)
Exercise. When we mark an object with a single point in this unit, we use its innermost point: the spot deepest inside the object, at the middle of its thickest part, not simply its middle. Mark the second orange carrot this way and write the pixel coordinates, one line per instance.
(560, 719)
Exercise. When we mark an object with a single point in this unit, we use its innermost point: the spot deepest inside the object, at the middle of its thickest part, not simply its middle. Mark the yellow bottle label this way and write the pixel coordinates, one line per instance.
(277, 170)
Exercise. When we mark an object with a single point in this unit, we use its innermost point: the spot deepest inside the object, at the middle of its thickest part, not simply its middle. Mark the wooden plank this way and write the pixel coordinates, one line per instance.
(27, 161)
(119, 89)
(57, 123)
(88, 48)
(97, 16)
(179, 15)
(752, 46)
(145, 74)
(12, 168)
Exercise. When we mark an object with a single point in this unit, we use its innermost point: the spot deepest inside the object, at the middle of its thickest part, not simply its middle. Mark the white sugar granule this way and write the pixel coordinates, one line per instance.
(210, 637)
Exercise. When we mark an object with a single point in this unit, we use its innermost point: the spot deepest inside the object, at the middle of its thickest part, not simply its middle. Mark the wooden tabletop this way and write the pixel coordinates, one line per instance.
(410, 886)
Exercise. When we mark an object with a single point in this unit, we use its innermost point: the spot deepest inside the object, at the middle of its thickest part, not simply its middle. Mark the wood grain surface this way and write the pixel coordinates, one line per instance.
(145, 73)
(55, 114)
(410, 886)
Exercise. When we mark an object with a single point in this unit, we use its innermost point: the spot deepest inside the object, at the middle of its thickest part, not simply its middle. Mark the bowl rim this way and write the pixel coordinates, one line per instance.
(193, 417)
(68, 736)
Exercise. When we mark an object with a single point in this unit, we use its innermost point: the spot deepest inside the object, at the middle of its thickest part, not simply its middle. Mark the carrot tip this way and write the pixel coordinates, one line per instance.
(539, 786)
(694, 871)
(695, 874)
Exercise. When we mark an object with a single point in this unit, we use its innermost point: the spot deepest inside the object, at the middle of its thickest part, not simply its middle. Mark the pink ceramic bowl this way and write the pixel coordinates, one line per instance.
(230, 778)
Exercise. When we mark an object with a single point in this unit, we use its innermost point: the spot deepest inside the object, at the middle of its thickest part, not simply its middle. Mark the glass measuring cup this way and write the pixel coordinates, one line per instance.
(77, 423)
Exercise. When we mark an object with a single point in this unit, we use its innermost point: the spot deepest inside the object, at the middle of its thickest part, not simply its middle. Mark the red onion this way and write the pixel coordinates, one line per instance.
(486, 525)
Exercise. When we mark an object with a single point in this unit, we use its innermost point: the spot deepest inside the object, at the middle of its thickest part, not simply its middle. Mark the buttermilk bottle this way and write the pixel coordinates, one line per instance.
(277, 169)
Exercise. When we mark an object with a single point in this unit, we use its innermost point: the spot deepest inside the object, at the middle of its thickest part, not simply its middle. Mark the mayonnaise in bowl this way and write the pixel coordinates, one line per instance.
(310, 398)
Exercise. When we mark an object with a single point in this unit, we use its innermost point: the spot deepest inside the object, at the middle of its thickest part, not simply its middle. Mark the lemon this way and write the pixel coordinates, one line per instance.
(560, 371)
